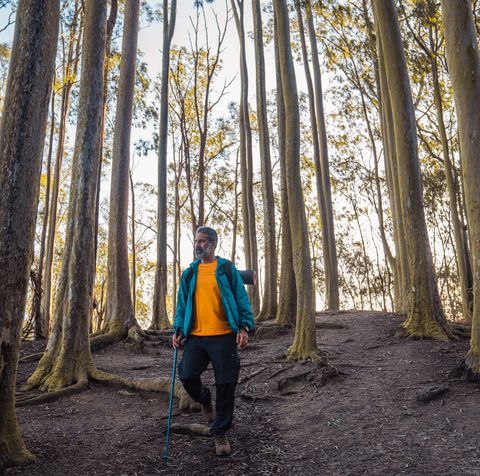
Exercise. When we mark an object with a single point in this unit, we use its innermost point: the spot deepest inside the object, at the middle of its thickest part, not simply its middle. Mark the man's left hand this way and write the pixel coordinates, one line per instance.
(242, 339)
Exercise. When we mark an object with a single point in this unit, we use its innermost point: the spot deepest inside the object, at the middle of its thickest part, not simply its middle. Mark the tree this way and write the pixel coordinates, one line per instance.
(69, 77)
(246, 158)
(304, 345)
(287, 300)
(425, 316)
(464, 65)
(67, 360)
(22, 132)
(159, 314)
(323, 176)
(120, 316)
(428, 14)
(269, 301)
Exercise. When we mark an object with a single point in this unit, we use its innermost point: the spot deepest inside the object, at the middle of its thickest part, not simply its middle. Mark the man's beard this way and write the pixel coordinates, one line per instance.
(201, 253)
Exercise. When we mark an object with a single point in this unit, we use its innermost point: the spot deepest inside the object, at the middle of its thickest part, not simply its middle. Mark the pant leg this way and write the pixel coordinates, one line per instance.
(224, 405)
(194, 362)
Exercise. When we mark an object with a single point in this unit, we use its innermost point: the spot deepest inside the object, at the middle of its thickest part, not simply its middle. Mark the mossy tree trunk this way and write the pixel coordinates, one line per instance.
(67, 359)
(119, 314)
(425, 316)
(269, 301)
(22, 134)
(159, 313)
(304, 345)
(464, 65)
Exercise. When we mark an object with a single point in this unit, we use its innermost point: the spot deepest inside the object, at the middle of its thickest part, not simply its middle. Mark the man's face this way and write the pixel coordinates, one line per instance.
(204, 249)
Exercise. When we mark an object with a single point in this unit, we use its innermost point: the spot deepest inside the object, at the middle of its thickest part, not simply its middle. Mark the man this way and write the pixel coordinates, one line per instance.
(214, 316)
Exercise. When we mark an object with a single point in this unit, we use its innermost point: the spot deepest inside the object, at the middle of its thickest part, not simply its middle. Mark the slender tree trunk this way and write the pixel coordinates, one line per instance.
(235, 215)
(331, 269)
(69, 78)
(41, 330)
(269, 302)
(304, 345)
(22, 134)
(119, 312)
(400, 270)
(425, 316)
(246, 159)
(67, 359)
(461, 249)
(134, 248)
(464, 65)
(159, 314)
(316, 155)
(287, 301)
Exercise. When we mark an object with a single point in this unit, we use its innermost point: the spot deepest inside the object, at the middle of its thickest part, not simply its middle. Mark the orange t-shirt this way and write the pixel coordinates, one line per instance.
(210, 318)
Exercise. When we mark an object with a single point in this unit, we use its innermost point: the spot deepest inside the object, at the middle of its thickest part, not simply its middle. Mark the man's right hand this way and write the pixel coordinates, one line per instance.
(177, 341)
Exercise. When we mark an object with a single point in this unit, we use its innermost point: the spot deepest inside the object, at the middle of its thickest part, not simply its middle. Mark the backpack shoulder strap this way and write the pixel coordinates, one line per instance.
(189, 276)
(227, 267)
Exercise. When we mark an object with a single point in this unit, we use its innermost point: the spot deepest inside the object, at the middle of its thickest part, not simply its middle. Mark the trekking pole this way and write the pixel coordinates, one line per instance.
(165, 455)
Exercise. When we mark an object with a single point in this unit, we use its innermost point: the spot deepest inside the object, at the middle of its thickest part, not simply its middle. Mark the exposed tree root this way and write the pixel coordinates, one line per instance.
(31, 358)
(134, 334)
(270, 331)
(148, 384)
(25, 400)
(251, 375)
(265, 316)
(431, 394)
(194, 429)
(285, 383)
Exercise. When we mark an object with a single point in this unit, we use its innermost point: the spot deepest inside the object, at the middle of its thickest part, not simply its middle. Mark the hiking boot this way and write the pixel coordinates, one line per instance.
(209, 411)
(222, 445)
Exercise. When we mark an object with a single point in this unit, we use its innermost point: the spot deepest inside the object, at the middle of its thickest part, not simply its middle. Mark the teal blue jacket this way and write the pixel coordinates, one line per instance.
(234, 299)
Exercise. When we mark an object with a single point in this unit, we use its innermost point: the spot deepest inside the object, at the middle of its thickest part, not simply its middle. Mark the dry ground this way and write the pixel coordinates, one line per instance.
(370, 419)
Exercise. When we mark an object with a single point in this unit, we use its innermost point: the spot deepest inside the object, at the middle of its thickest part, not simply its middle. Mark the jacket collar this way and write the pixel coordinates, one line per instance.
(220, 262)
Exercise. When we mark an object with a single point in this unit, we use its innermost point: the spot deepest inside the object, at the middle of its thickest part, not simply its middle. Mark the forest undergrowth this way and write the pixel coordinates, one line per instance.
(383, 405)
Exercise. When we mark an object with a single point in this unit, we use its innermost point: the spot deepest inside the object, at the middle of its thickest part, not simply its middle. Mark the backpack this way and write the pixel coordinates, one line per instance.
(227, 268)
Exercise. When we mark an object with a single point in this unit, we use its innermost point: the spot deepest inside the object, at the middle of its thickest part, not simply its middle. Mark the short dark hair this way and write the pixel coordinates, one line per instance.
(210, 232)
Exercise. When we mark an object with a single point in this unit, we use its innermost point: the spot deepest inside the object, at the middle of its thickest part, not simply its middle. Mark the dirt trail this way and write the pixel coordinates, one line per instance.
(368, 420)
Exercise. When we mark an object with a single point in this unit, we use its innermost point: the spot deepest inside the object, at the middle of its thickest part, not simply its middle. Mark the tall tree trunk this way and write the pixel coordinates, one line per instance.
(400, 270)
(69, 78)
(22, 134)
(304, 345)
(119, 313)
(316, 155)
(464, 65)
(269, 301)
(328, 229)
(425, 316)
(462, 251)
(134, 249)
(159, 314)
(246, 159)
(67, 359)
(287, 301)
(40, 329)
(233, 254)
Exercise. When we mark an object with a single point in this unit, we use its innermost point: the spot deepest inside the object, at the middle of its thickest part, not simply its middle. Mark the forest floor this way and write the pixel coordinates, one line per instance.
(373, 418)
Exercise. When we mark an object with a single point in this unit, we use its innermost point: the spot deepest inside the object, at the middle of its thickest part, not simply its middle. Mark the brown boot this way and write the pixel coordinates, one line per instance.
(209, 411)
(222, 445)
